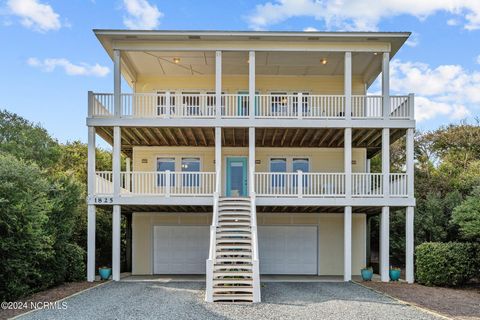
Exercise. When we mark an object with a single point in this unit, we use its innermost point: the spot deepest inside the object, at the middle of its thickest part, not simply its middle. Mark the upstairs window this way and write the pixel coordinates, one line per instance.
(164, 164)
(191, 169)
(278, 165)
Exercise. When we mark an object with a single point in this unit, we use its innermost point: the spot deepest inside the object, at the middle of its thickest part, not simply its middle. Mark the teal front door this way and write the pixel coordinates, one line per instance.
(236, 177)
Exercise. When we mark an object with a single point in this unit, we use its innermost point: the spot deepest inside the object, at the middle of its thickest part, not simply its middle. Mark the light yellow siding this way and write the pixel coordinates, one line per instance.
(263, 84)
(330, 237)
(321, 159)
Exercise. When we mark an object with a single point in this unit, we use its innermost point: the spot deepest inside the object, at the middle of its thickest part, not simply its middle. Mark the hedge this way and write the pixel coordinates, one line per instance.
(447, 264)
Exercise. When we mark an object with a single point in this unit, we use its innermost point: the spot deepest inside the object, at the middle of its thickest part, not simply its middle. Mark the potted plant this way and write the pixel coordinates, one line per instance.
(105, 273)
(394, 273)
(367, 274)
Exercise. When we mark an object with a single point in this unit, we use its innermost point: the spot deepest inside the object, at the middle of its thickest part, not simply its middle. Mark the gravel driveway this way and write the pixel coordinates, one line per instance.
(184, 300)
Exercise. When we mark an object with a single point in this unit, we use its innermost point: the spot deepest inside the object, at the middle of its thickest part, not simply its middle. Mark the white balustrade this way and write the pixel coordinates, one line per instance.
(299, 184)
(159, 183)
(367, 185)
(398, 185)
(400, 107)
(367, 107)
(288, 106)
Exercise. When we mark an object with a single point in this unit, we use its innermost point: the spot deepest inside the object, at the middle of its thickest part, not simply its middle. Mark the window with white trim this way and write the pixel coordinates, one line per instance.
(165, 164)
(191, 167)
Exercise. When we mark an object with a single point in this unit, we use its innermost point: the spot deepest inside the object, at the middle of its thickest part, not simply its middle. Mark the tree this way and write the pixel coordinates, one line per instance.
(26, 140)
(467, 216)
(25, 244)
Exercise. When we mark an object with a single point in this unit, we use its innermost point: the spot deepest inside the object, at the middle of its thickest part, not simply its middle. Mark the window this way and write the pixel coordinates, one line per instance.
(191, 166)
(164, 164)
(191, 101)
(279, 102)
(162, 103)
(300, 164)
(304, 109)
(278, 165)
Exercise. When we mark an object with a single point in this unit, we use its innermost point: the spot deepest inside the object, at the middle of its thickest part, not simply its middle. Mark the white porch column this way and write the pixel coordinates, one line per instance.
(385, 244)
(218, 160)
(410, 244)
(347, 157)
(91, 208)
(386, 84)
(117, 82)
(251, 83)
(386, 161)
(348, 85)
(116, 243)
(347, 244)
(410, 162)
(116, 157)
(218, 84)
(251, 159)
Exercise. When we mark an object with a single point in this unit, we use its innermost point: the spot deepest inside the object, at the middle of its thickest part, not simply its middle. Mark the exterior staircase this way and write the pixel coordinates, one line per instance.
(232, 267)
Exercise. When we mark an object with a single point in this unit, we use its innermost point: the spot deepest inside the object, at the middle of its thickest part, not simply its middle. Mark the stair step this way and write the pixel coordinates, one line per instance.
(233, 229)
(234, 224)
(232, 274)
(232, 289)
(240, 213)
(230, 240)
(243, 281)
(231, 254)
(233, 297)
(234, 219)
(234, 260)
(234, 199)
(233, 207)
(219, 267)
(234, 246)
(238, 235)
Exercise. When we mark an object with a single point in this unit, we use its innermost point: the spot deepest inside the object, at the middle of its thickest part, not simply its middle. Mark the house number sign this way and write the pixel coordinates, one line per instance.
(103, 200)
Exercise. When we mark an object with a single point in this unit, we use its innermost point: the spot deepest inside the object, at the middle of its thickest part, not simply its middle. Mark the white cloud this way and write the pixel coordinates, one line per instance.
(413, 40)
(361, 14)
(141, 15)
(82, 69)
(310, 29)
(447, 90)
(35, 15)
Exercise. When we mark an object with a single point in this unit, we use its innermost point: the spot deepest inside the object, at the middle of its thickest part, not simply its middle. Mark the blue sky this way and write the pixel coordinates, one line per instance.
(50, 57)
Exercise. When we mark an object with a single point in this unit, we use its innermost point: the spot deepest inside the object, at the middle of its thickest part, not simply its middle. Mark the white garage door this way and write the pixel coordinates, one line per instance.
(287, 249)
(180, 249)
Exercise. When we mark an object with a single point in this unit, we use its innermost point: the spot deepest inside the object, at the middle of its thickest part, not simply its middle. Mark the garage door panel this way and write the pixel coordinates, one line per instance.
(288, 249)
(180, 249)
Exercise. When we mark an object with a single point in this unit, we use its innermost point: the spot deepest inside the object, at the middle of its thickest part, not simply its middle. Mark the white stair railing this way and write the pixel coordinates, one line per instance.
(255, 261)
(211, 254)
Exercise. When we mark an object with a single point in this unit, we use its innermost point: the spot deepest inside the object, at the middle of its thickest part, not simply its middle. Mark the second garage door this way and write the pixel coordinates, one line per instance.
(288, 249)
(180, 249)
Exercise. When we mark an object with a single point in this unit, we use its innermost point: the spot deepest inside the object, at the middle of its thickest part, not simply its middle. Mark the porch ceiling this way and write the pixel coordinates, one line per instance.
(171, 63)
(371, 139)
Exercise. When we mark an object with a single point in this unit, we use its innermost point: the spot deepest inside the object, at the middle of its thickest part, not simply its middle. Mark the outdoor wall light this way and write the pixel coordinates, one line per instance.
(176, 60)
(324, 61)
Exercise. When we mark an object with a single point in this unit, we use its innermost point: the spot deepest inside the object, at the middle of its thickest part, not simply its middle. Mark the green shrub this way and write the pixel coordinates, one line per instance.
(75, 266)
(446, 264)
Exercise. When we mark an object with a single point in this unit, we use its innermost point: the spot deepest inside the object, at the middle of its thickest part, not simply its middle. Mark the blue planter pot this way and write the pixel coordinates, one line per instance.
(394, 275)
(367, 274)
(105, 273)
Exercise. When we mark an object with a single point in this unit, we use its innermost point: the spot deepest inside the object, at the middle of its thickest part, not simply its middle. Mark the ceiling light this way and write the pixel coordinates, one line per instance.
(375, 53)
(323, 61)
(176, 60)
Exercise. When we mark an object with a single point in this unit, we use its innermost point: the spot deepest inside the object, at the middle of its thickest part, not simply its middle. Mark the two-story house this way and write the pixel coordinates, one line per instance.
(248, 154)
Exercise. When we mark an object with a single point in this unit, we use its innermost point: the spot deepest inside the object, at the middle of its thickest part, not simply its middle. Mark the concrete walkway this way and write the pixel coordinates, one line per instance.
(184, 300)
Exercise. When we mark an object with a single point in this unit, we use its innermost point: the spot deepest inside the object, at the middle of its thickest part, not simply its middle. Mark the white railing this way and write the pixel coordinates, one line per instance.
(104, 182)
(400, 107)
(101, 105)
(367, 184)
(289, 106)
(255, 255)
(299, 184)
(367, 107)
(398, 185)
(158, 183)
(210, 263)
(299, 106)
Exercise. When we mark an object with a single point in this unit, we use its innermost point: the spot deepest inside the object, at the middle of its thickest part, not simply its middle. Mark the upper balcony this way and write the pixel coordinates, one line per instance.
(240, 79)
(299, 106)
